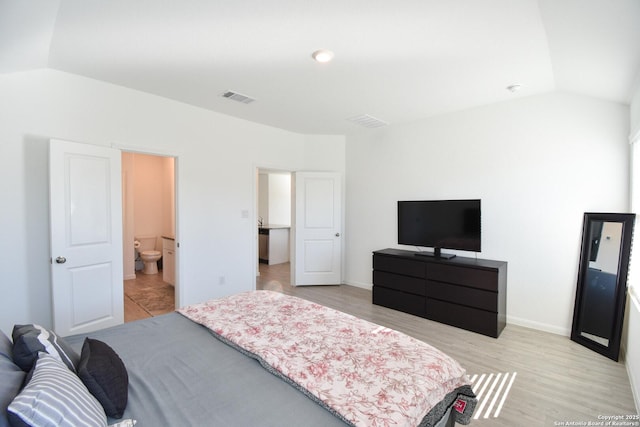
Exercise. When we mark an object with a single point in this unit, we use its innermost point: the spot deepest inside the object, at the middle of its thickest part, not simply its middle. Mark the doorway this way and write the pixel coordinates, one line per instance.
(273, 201)
(149, 212)
(314, 229)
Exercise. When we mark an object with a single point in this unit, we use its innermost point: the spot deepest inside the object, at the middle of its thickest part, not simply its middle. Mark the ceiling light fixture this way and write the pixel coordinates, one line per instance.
(514, 88)
(322, 55)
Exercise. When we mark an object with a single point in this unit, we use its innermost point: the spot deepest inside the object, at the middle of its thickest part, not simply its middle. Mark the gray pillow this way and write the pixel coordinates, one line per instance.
(11, 378)
(5, 346)
(55, 397)
(29, 340)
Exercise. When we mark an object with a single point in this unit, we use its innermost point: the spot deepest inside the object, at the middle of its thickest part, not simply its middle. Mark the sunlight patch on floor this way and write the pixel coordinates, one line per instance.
(492, 391)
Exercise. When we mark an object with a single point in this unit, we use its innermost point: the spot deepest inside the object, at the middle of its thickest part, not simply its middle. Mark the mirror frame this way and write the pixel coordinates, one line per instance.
(611, 351)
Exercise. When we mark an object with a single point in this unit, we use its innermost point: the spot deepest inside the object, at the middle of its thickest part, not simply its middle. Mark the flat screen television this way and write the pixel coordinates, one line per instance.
(440, 224)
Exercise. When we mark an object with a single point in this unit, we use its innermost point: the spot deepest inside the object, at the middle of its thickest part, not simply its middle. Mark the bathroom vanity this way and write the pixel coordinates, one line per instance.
(168, 260)
(273, 244)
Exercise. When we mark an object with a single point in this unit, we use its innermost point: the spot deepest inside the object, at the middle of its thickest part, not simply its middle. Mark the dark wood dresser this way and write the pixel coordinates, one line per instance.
(468, 293)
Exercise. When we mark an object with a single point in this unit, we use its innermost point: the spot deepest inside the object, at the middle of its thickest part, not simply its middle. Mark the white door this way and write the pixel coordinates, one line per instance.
(86, 237)
(317, 225)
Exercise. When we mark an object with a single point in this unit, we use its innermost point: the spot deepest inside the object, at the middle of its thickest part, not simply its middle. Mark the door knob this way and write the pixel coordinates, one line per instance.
(61, 260)
(337, 234)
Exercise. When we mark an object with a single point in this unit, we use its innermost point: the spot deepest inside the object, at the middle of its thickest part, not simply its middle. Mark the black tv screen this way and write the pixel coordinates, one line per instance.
(446, 224)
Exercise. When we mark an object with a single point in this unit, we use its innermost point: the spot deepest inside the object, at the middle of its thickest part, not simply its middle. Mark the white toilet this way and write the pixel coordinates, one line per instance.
(148, 254)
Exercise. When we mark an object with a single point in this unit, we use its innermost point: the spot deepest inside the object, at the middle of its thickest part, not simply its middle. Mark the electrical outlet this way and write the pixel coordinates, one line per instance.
(221, 280)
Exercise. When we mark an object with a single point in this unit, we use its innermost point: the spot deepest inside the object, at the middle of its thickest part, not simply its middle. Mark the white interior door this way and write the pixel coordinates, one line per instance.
(317, 225)
(86, 237)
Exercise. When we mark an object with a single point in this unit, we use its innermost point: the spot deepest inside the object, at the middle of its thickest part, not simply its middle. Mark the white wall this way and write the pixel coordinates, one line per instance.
(635, 110)
(217, 157)
(263, 197)
(168, 191)
(631, 334)
(280, 198)
(274, 198)
(537, 163)
(150, 212)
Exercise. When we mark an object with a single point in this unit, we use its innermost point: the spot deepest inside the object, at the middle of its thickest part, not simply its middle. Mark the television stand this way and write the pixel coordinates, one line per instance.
(435, 254)
(468, 293)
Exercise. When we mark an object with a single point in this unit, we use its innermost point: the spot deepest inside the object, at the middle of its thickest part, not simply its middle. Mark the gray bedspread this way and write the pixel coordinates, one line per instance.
(180, 375)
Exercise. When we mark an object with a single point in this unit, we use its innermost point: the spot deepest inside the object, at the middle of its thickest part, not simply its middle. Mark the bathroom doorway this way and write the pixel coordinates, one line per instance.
(149, 224)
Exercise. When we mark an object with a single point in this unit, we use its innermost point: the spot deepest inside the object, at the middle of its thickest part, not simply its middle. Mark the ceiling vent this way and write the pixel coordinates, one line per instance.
(367, 121)
(238, 97)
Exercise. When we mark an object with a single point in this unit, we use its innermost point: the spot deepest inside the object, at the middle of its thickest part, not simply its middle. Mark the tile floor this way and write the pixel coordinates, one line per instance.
(146, 296)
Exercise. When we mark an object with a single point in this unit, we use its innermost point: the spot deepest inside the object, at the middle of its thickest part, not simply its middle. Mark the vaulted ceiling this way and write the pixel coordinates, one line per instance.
(397, 61)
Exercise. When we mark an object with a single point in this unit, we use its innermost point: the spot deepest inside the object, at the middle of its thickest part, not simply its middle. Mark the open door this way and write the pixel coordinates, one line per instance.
(86, 237)
(317, 225)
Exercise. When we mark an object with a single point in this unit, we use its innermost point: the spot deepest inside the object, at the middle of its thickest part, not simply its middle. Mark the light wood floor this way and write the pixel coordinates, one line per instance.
(557, 381)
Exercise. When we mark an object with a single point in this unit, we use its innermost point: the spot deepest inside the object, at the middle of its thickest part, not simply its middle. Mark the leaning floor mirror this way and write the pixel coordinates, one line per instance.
(602, 282)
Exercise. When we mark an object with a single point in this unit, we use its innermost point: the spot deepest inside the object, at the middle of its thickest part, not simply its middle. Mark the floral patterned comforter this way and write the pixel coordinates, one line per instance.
(364, 373)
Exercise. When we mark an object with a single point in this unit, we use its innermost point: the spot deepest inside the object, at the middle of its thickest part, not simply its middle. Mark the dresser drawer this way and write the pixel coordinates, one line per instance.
(468, 293)
(472, 297)
(471, 277)
(411, 285)
(406, 267)
(408, 303)
(471, 319)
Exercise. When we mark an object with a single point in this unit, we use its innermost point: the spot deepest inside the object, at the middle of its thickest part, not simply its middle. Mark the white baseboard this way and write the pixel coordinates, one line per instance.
(363, 285)
(538, 325)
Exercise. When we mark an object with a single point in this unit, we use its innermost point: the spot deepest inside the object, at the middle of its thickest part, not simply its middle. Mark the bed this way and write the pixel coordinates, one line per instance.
(263, 358)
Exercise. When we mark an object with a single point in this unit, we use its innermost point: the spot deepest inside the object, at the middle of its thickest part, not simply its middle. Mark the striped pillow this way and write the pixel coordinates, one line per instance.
(55, 396)
(29, 340)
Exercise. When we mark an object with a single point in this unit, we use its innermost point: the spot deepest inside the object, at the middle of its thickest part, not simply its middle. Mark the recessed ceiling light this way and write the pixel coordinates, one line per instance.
(514, 88)
(322, 55)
